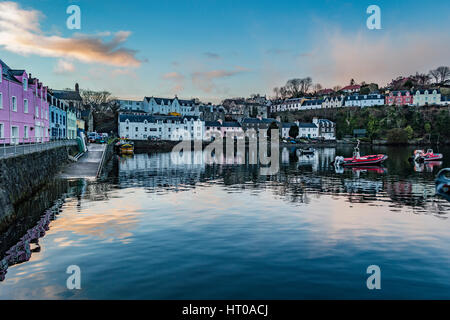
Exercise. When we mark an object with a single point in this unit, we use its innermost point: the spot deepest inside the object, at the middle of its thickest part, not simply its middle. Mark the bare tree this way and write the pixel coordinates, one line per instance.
(444, 73)
(434, 74)
(306, 84)
(276, 91)
(294, 86)
(317, 87)
(422, 79)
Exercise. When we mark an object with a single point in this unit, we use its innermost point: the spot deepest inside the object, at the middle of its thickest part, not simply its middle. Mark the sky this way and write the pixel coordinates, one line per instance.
(212, 50)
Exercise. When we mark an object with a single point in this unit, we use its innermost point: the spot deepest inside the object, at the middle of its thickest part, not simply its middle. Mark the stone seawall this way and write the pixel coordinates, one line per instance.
(23, 175)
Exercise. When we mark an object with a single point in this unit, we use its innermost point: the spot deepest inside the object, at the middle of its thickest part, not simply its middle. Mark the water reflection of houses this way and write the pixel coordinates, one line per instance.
(161, 169)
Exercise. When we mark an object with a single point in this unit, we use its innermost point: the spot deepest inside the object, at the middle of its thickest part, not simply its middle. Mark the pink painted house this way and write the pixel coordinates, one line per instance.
(399, 98)
(24, 110)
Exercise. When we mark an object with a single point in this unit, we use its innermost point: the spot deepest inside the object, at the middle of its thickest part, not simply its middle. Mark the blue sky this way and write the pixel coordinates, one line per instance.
(218, 49)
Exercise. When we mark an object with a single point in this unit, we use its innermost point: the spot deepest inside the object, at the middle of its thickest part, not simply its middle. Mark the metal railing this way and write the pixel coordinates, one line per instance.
(11, 147)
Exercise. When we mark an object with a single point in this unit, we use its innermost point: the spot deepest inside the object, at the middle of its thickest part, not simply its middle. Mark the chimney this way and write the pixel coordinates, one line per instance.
(77, 87)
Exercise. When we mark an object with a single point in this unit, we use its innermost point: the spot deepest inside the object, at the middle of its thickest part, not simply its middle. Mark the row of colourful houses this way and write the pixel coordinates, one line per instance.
(31, 112)
(417, 98)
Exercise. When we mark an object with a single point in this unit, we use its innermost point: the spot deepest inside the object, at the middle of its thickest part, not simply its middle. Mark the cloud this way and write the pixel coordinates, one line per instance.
(173, 75)
(63, 67)
(375, 58)
(205, 80)
(177, 79)
(20, 32)
(212, 55)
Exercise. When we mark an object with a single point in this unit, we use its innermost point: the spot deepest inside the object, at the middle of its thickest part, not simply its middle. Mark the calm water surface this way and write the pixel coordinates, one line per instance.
(162, 230)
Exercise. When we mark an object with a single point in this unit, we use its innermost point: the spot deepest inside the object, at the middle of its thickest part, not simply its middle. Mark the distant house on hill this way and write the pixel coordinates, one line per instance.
(351, 88)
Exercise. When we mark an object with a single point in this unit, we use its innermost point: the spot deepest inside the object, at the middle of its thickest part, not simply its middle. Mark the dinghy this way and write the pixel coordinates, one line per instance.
(358, 161)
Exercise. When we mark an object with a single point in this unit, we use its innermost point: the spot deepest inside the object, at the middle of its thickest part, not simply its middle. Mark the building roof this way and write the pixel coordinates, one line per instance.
(257, 120)
(153, 118)
(212, 123)
(67, 95)
(231, 124)
(422, 91)
(307, 125)
(287, 124)
(364, 97)
(351, 87)
(312, 102)
(8, 72)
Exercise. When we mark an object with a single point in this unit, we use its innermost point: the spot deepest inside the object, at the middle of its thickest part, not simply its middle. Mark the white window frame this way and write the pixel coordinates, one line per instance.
(26, 132)
(14, 105)
(1, 99)
(25, 84)
(2, 130)
(25, 103)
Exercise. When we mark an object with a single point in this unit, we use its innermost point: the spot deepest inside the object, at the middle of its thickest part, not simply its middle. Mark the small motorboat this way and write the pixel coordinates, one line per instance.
(443, 183)
(422, 156)
(359, 161)
(127, 148)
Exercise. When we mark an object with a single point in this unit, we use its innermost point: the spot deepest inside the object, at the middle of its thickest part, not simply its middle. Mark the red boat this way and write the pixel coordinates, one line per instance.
(359, 161)
(421, 156)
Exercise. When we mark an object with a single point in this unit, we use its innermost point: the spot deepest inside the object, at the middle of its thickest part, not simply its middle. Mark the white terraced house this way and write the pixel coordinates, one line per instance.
(161, 106)
(172, 128)
(364, 100)
(166, 106)
(426, 97)
(332, 102)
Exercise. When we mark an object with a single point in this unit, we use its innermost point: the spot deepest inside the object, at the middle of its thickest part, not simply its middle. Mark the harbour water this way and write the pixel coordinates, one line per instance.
(162, 230)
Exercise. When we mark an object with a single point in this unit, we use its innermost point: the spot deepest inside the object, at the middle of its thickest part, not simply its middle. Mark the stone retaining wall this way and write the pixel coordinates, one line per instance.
(23, 175)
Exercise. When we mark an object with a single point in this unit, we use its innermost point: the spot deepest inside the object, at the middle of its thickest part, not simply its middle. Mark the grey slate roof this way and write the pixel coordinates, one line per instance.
(153, 118)
(67, 95)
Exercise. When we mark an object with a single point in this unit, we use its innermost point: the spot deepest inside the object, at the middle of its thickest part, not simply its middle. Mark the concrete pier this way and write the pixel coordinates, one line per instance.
(88, 165)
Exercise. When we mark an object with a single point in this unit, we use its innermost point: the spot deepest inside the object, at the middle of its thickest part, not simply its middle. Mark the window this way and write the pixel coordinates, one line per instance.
(1, 98)
(36, 111)
(25, 84)
(25, 106)
(2, 130)
(53, 117)
(14, 103)
(25, 132)
(137, 129)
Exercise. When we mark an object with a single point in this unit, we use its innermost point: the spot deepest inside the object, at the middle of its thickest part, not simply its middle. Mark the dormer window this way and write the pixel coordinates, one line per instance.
(25, 83)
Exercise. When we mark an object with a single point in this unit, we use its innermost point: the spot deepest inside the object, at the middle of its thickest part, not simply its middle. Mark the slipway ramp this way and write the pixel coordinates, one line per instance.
(88, 166)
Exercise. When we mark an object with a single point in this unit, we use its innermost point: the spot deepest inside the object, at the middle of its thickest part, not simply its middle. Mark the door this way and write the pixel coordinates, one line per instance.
(14, 135)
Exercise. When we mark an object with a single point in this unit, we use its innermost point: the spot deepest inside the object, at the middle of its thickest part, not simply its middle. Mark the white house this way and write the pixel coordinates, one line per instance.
(173, 128)
(364, 100)
(223, 128)
(167, 106)
(332, 102)
(130, 105)
(327, 128)
(426, 97)
(305, 130)
(308, 130)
